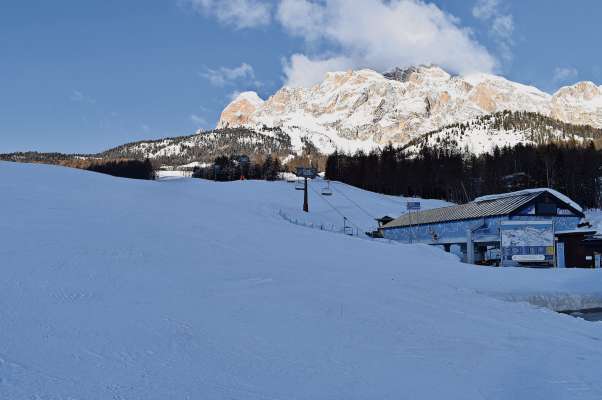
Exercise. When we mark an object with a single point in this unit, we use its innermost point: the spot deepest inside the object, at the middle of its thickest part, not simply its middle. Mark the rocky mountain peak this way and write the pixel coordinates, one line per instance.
(419, 73)
(351, 110)
(585, 90)
(239, 111)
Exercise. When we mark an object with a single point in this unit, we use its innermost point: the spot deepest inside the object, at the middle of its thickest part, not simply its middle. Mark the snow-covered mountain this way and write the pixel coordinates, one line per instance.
(482, 134)
(363, 109)
(206, 146)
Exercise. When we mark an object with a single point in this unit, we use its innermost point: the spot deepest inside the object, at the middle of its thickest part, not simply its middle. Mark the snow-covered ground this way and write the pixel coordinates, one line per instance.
(360, 207)
(595, 219)
(186, 289)
(167, 175)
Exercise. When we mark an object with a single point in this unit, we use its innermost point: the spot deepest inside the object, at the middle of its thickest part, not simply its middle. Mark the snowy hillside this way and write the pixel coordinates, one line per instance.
(360, 207)
(204, 147)
(353, 110)
(187, 289)
(482, 134)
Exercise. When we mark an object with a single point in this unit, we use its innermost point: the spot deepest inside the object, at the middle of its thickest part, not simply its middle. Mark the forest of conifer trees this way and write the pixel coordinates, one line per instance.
(459, 177)
(234, 167)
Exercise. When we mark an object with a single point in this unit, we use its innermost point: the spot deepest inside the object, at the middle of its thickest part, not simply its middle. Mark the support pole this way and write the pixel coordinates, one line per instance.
(305, 203)
(469, 247)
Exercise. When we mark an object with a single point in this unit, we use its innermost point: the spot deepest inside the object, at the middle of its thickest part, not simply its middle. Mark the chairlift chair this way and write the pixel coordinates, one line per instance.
(326, 189)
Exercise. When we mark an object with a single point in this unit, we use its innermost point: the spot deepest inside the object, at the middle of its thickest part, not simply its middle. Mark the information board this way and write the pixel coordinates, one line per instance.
(413, 205)
(305, 172)
(527, 242)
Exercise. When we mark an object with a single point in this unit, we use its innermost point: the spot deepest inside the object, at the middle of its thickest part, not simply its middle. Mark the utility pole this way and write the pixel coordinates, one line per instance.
(305, 204)
(305, 172)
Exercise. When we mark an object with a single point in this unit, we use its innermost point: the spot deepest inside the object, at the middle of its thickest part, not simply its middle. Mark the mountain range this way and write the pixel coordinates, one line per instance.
(353, 110)
(365, 109)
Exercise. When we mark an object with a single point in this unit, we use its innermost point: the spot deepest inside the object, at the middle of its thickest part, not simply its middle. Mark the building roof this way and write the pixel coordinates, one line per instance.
(488, 206)
(558, 195)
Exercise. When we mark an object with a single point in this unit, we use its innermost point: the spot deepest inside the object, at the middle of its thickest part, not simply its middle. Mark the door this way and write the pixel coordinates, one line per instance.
(560, 255)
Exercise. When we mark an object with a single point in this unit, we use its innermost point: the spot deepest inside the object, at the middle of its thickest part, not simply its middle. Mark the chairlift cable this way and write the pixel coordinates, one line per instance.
(353, 202)
(335, 209)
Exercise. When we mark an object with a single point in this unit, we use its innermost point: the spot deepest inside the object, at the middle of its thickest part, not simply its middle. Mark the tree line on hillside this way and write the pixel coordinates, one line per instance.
(133, 169)
(235, 167)
(205, 146)
(459, 176)
(124, 168)
(538, 128)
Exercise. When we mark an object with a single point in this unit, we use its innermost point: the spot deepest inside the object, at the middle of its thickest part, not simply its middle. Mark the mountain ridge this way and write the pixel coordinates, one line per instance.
(363, 109)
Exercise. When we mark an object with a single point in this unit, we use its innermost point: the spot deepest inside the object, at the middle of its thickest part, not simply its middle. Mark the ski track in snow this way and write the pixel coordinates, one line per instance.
(120, 289)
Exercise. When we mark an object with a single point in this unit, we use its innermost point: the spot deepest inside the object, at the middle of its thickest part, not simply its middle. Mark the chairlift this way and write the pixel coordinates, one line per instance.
(326, 190)
(348, 230)
(300, 185)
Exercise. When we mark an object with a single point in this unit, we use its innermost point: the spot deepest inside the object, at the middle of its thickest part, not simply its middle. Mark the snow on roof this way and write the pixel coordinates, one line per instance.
(578, 230)
(553, 192)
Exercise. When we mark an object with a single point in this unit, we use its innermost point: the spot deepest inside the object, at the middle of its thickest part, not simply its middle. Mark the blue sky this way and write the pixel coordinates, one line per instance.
(83, 76)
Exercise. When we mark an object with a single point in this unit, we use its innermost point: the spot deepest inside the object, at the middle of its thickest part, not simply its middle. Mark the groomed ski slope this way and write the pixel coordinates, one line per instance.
(121, 289)
(360, 207)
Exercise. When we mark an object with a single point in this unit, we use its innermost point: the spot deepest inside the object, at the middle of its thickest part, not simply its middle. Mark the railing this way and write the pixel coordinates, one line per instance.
(347, 230)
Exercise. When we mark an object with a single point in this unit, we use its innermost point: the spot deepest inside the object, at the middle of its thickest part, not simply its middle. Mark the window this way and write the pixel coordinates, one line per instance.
(546, 209)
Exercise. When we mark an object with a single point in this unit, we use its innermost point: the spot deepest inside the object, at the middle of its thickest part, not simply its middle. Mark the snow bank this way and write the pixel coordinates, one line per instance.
(122, 289)
(164, 175)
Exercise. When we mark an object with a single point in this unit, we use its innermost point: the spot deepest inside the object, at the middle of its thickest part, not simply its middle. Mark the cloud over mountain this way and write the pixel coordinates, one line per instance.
(377, 34)
(237, 13)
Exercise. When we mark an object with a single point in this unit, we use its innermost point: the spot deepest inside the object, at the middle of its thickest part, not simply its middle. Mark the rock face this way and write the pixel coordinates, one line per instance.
(239, 112)
(353, 110)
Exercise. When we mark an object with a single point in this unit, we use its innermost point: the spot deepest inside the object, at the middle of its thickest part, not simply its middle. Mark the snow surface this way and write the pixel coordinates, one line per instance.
(250, 96)
(186, 289)
(164, 175)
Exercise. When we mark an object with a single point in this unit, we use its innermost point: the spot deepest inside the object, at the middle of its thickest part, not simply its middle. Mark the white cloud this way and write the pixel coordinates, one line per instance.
(378, 34)
(501, 25)
(301, 71)
(234, 95)
(301, 18)
(485, 9)
(226, 76)
(237, 13)
(564, 74)
(80, 97)
(198, 120)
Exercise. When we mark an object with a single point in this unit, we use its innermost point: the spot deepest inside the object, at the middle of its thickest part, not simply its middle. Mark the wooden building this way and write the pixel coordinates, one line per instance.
(579, 248)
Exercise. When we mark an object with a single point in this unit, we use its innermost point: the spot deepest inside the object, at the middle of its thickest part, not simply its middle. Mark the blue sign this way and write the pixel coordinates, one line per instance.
(305, 172)
(413, 205)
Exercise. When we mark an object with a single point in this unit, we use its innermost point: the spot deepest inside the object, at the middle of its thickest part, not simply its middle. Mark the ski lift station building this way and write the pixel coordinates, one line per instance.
(476, 227)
